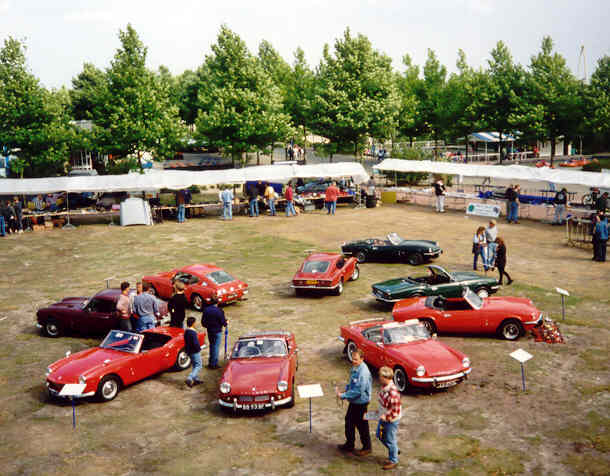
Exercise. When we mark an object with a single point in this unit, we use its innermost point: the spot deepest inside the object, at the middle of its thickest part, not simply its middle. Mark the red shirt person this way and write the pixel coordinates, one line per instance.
(330, 198)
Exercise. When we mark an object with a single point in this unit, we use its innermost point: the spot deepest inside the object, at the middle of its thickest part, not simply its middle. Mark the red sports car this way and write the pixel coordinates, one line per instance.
(121, 359)
(83, 315)
(325, 272)
(202, 282)
(575, 162)
(261, 372)
(508, 317)
(417, 359)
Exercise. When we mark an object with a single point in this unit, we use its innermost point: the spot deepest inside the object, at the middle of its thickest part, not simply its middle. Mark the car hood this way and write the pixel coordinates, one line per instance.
(262, 374)
(68, 370)
(422, 243)
(438, 358)
(510, 304)
(397, 285)
(470, 276)
(69, 303)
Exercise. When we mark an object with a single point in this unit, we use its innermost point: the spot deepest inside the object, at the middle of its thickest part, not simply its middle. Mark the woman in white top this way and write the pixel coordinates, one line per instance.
(491, 233)
(479, 247)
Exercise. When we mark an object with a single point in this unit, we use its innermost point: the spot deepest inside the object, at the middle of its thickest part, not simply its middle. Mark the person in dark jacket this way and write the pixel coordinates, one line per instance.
(600, 238)
(512, 204)
(213, 319)
(193, 349)
(177, 305)
(501, 260)
(253, 200)
(560, 201)
(602, 202)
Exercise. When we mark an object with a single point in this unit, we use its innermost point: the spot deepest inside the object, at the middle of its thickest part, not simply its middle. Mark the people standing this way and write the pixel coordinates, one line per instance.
(330, 198)
(193, 349)
(146, 308)
(491, 233)
(560, 201)
(479, 248)
(18, 213)
(601, 237)
(226, 198)
(213, 319)
(180, 202)
(501, 260)
(440, 191)
(122, 306)
(289, 196)
(5, 223)
(389, 402)
(177, 305)
(358, 394)
(512, 195)
(270, 197)
(132, 294)
(253, 199)
(602, 202)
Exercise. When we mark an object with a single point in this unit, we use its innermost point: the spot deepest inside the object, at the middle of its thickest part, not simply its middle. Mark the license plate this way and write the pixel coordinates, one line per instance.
(451, 383)
(253, 406)
(311, 281)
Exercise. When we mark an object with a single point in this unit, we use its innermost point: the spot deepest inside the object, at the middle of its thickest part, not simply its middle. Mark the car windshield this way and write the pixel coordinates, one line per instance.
(246, 348)
(473, 299)
(123, 341)
(186, 278)
(220, 277)
(405, 333)
(395, 238)
(315, 266)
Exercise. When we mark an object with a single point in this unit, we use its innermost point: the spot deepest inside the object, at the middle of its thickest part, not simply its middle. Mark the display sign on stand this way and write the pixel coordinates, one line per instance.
(521, 356)
(72, 390)
(310, 391)
(564, 294)
(483, 210)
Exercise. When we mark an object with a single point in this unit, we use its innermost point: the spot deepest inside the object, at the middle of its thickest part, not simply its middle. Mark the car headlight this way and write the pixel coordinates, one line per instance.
(282, 385)
(429, 250)
(82, 379)
(221, 292)
(466, 362)
(239, 286)
(225, 387)
(421, 371)
(49, 371)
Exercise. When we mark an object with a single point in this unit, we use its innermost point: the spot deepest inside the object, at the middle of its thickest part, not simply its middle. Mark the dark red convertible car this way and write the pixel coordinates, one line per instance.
(325, 272)
(261, 372)
(123, 358)
(202, 282)
(91, 316)
(507, 317)
(417, 359)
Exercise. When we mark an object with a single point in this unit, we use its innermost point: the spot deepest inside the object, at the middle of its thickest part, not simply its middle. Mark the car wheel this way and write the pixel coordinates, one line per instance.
(400, 379)
(415, 259)
(51, 328)
(355, 274)
(361, 257)
(339, 289)
(482, 293)
(197, 302)
(183, 361)
(429, 324)
(290, 404)
(510, 329)
(350, 349)
(299, 292)
(108, 388)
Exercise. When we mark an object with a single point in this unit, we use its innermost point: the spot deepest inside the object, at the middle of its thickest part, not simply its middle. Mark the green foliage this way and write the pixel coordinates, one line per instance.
(410, 122)
(593, 166)
(194, 189)
(85, 88)
(122, 166)
(299, 92)
(598, 98)
(403, 151)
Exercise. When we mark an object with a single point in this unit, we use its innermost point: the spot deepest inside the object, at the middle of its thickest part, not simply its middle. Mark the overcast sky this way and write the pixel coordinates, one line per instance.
(63, 34)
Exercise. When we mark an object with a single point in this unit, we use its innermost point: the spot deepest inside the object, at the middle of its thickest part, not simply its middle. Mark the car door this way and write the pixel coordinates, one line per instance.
(460, 317)
(152, 357)
(98, 317)
(444, 284)
(372, 345)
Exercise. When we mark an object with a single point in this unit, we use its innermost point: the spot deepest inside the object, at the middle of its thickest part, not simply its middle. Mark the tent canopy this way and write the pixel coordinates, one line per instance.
(490, 137)
(510, 172)
(177, 180)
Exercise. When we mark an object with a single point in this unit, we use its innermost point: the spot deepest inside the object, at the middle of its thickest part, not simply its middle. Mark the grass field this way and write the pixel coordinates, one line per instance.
(486, 425)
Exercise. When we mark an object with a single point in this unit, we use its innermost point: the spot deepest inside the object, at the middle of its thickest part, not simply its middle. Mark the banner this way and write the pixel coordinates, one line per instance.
(483, 210)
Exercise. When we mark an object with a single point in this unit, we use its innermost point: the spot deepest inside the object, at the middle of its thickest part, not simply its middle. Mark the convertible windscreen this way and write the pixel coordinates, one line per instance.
(220, 277)
(404, 334)
(123, 341)
(315, 266)
(186, 278)
(260, 348)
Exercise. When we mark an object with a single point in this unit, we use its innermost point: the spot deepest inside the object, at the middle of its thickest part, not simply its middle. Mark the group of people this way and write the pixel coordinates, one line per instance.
(138, 309)
(11, 216)
(492, 250)
(295, 152)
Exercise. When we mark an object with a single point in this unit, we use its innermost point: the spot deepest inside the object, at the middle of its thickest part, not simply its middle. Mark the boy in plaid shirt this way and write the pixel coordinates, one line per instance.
(389, 403)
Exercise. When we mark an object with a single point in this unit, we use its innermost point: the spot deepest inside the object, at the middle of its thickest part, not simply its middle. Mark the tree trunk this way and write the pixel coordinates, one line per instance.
(140, 161)
(566, 145)
(258, 157)
(500, 149)
(553, 144)
(272, 149)
(410, 141)
(356, 150)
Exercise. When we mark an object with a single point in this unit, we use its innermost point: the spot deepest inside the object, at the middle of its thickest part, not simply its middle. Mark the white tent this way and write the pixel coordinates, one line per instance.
(510, 172)
(177, 180)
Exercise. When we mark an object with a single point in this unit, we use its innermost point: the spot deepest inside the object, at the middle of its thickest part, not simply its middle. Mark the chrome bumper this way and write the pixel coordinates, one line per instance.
(445, 378)
(254, 405)
(313, 286)
(379, 298)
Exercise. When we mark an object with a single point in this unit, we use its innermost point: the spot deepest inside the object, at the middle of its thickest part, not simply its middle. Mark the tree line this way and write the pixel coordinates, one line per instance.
(240, 102)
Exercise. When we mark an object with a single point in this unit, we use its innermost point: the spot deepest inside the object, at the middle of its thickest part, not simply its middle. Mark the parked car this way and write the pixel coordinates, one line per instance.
(576, 162)
(417, 359)
(325, 272)
(122, 359)
(507, 317)
(393, 248)
(202, 282)
(94, 315)
(438, 281)
(260, 373)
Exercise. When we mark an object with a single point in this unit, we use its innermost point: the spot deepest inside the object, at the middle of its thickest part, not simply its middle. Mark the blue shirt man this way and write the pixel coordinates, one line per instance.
(358, 394)
(213, 319)
(145, 306)
(226, 197)
(600, 239)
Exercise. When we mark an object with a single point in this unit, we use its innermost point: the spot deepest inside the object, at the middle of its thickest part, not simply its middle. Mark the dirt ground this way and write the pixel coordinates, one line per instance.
(486, 425)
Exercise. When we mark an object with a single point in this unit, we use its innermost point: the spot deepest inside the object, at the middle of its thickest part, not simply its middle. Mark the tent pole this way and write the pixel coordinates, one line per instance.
(68, 225)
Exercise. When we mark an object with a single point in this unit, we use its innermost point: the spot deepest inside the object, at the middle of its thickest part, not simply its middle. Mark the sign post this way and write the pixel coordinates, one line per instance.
(72, 390)
(226, 339)
(108, 281)
(563, 293)
(310, 391)
(521, 356)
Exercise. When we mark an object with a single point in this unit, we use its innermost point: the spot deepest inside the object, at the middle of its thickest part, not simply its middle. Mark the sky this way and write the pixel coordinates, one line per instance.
(61, 35)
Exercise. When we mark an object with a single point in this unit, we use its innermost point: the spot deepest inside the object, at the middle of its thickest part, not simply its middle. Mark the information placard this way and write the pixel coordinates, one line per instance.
(310, 391)
(483, 210)
(72, 390)
(521, 355)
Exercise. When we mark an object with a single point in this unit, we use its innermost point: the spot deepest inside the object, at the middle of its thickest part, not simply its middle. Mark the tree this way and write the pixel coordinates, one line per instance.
(410, 123)
(430, 93)
(355, 94)
(85, 87)
(299, 92)
(598, 99)
(33, 121)
(240, 106)
(133, 110)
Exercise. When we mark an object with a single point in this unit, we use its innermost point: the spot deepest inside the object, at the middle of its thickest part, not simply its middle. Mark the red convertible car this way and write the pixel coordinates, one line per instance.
(261, 372)
(123, 358)
(417, 359)
(202, 282)
(325, 272)
(92, 316)
(575, 162)
(508, 317)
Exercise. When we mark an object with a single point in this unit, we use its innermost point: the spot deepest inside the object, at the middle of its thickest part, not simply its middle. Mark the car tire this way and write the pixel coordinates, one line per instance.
(339, 289)
(415, 259)
(361, 256)
(429, 324)
(299, 292)
(355, 274)
(482, 292)
(510, 329)
(197, 302)
(108, 388)
(401, 380)
(183, 360)
(51, 328)
(349, 349)
(291, 403)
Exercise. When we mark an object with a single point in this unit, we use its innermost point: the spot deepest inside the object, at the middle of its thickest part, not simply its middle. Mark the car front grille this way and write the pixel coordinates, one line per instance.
(261, 398)
(245, 398)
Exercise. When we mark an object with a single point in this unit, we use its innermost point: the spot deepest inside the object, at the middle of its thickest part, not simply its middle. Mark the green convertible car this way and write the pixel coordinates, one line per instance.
(438, 282)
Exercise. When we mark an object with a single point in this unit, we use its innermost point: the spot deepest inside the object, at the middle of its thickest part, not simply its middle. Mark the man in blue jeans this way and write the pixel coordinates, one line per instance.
(145, 307)
(389, 405)
(226, 197)
(193, 349)
(213, 319)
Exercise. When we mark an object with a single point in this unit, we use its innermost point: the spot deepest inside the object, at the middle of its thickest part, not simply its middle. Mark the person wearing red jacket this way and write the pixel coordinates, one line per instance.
(289, 195)
(389, 404)
(330, 198)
